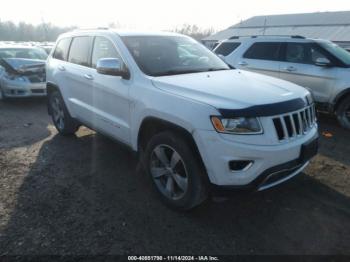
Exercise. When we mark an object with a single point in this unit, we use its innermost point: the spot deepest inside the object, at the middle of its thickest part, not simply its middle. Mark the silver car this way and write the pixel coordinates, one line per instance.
(22, 72)
(318, 65)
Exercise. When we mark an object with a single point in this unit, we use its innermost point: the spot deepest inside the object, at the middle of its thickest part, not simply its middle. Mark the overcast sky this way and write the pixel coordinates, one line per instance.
(156, 14)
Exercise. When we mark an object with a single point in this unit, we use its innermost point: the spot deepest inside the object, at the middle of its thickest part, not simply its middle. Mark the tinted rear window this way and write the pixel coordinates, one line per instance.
(226, 48)
(80, 50)
(61, 51)
(263, 51)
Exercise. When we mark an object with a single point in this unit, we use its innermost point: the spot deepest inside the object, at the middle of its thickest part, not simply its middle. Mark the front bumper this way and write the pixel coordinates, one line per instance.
(273, 164)
(13, 89)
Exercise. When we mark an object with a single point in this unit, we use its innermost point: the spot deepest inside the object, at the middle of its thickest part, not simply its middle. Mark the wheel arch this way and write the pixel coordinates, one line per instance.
(153, 125)
(50, 87)
(340, 97)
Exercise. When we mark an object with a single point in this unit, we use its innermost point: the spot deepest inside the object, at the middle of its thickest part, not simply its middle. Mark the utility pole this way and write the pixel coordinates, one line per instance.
(45, 27)
(264, 29)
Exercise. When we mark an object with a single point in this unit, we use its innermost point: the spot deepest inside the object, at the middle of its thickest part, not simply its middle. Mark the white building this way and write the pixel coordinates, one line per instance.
(334, 26)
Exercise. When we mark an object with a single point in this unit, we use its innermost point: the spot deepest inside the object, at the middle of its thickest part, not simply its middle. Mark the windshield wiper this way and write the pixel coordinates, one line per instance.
(216, 69)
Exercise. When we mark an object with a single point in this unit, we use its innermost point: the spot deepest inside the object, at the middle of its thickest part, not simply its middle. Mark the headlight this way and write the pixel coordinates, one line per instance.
(238, 125)
(15, 78)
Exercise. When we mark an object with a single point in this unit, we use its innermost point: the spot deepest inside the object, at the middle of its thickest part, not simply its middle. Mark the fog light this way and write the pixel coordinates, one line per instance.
(240, 165)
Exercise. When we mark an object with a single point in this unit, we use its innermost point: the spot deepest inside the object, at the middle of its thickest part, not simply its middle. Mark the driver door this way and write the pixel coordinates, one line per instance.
(298, 66)
(110, 95)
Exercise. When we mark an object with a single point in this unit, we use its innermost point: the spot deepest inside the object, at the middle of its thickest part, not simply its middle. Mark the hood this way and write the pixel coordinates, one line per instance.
(22, 65)
(230, 89)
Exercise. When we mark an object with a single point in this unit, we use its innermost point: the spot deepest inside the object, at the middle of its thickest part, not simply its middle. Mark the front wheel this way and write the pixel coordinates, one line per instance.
(343, 113)
(61, 118)
(175, 171)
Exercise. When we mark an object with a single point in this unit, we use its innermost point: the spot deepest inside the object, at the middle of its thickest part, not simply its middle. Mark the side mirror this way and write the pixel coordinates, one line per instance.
(322, 61)
(113, 67)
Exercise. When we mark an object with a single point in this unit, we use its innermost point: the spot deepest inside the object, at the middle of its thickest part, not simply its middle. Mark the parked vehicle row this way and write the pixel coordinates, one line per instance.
(197, 125)
(318, 65)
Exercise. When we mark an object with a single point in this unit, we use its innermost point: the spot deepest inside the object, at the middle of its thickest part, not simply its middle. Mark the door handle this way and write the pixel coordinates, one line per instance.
(290, 69)
(89, 77)
(243, 63)
(61, 68)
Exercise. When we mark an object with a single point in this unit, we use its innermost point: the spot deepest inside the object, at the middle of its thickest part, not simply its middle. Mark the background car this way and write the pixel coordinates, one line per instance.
(22, 71)
(318, 65)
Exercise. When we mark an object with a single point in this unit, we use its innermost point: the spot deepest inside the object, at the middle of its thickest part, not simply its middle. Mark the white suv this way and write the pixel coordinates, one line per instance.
(318, 65)
(197, 125)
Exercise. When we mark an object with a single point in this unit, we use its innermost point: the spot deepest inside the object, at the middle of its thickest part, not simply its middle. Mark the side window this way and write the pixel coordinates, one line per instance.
(62, 48)
(103, 48)
(80, 50)
(298, 53)
(303, 53)
(226, 48)
(316, 53)
(263, 51)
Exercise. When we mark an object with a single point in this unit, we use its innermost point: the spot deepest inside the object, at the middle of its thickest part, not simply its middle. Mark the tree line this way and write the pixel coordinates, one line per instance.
(22, 31)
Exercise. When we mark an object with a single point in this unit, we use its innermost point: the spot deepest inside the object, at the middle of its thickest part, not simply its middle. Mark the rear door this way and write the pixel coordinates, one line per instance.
(261, 57)
(79, 78)
(298, 66)
(56, 66)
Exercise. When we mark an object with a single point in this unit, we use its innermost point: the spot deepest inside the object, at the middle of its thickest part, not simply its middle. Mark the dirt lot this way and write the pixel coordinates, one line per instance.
(83, 195)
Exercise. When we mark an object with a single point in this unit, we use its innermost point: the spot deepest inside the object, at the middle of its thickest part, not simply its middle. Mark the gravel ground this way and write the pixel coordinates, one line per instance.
(83, 195)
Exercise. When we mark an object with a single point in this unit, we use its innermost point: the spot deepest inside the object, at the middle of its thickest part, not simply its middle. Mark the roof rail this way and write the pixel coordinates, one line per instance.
(92, 28)
(256, 36)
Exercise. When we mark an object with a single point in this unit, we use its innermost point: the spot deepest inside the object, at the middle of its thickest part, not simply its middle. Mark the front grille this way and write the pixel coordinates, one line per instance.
(294, 124)
(38, 78)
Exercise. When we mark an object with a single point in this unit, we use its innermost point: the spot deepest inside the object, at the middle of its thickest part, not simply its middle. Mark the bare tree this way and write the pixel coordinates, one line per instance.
(22, 31)
(194, 31)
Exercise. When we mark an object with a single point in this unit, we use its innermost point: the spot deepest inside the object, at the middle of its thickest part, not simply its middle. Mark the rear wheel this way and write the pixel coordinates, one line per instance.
(2, 95)
(61, 118)
(175, 171)
(343, 113)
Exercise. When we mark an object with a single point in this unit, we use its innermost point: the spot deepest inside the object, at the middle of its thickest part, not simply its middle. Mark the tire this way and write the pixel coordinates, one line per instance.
(175, 170)
(343, 113)
(61, 118)
(2, 95)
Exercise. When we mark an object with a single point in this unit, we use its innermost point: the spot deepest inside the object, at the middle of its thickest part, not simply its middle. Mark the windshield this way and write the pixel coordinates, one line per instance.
(337, 51)
(171, 55)
(27, 53)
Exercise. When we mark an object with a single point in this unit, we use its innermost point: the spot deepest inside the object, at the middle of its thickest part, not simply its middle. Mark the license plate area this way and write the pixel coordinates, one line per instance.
(308, 150)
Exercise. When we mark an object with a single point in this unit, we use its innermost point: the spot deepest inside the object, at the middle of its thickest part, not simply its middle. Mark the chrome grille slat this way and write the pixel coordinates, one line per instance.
(303, 117)
(301, 125)
(285, 132)
(294, 124)
(309, 114)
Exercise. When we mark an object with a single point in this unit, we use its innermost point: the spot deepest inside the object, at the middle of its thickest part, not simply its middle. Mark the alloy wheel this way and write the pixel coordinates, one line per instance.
(57, 113)
(169, 172)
